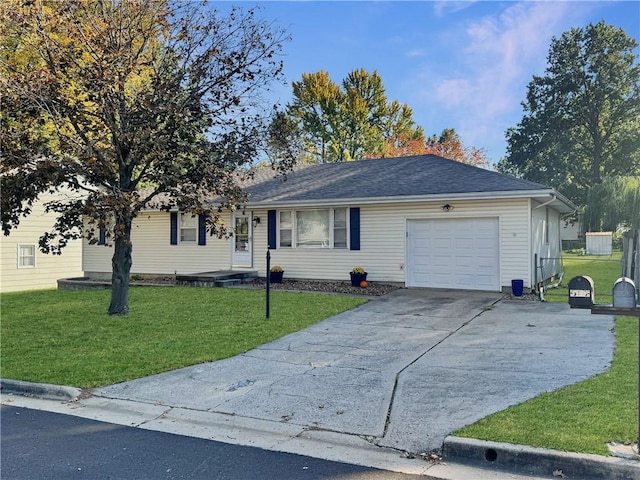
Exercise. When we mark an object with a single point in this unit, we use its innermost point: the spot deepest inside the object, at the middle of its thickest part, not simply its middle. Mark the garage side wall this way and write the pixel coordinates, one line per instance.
(383, 239)
(546, 232)
(153, 253)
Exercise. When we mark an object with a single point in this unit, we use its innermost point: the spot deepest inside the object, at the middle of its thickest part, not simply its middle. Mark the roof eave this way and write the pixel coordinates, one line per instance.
(565, 206)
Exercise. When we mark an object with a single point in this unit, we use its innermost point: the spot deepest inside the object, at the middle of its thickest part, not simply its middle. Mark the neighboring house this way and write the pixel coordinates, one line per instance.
(24, 266)
(422, 221)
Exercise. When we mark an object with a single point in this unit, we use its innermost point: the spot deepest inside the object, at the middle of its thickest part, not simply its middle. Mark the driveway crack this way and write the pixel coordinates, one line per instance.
(397, 379)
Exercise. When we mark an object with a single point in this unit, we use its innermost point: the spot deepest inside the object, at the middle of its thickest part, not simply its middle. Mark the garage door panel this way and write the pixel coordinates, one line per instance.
(463, 262)
(463, 281)
(486, 263)
(441, 243)
(453, 253)
(463, 243)
(440, 261)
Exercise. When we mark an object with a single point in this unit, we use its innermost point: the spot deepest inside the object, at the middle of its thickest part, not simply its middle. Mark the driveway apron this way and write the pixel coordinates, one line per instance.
(402, 371)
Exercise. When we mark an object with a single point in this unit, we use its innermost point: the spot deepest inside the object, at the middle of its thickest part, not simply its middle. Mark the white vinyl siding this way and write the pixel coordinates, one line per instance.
(47, 268)
(153, 254)
(546, 243)
(382, 242)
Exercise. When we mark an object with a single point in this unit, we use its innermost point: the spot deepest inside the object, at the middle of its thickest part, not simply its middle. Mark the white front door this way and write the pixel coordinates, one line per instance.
(242, 241)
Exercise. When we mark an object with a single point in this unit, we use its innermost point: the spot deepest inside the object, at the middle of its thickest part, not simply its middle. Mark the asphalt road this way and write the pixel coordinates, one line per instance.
(45, 445)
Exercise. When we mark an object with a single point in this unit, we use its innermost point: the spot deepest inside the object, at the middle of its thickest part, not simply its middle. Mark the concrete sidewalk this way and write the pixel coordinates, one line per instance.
(397, 374)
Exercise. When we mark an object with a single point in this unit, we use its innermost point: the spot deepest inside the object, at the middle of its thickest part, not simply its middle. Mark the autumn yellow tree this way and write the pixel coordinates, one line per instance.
(350, 121)
(449, 145)
(106, 97)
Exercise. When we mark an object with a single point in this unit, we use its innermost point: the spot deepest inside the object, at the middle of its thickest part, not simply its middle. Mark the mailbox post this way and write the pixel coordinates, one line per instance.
(624, 293)
(581, 292)
(624, 303)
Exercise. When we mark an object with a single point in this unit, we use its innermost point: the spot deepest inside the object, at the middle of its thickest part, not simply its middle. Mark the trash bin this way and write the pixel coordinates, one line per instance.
(517, 287)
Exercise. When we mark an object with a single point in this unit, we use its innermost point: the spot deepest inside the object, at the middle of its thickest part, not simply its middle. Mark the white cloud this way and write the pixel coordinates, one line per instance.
(503, 52)
(415, 53)
(492, 60)
(445, 7)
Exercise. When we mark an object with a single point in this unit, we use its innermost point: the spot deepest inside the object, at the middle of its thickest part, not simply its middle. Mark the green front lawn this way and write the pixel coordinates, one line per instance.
(579, 418)
(603, 270)
(585, 416)
(66, 338)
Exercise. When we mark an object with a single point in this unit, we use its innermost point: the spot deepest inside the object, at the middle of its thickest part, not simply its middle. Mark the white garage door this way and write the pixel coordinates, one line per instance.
(453, 253)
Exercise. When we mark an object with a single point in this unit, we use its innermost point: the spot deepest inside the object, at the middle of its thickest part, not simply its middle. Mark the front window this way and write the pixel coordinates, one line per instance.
(286, 228)
(312, 228)
(340, 228)
(26, 256)
(188, 228)
(318, 228)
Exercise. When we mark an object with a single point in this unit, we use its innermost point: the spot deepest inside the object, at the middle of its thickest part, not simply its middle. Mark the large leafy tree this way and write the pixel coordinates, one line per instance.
(129, 104)
(582, 117)
(350, 121)
(613, 203)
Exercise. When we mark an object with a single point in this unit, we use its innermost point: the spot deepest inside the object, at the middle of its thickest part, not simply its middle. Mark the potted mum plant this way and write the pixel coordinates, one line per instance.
(358, 275)
(276, 273)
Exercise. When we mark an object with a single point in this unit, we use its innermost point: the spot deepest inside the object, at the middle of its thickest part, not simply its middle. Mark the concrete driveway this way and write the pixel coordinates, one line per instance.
(401, 371)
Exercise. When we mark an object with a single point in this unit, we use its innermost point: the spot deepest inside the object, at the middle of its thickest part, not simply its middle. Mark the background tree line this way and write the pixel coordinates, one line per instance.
(355, 120)
(580, 132)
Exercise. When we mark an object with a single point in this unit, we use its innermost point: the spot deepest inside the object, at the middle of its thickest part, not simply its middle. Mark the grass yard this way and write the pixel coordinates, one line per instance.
(603, 270)
(585, 416)
(66, 337)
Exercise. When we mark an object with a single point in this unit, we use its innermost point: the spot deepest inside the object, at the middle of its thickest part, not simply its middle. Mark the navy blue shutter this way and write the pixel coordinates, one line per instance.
(102, 236)
(354, 229)
(174, 228)
(272, 228)
(202, 230)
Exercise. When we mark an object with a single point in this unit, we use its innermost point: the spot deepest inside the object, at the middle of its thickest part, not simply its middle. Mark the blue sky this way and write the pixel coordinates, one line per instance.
(460, 64)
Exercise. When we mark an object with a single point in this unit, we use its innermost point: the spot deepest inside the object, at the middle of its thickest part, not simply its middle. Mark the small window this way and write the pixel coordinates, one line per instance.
(340, 228)
(188, 228)
(286, 228)
(26, 256)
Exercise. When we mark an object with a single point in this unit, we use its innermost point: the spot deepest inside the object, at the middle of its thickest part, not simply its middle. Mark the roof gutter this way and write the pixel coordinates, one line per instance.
(404, 199)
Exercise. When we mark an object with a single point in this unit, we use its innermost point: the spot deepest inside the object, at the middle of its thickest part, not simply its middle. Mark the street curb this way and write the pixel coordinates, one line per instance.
(537, 461)
(42, 390)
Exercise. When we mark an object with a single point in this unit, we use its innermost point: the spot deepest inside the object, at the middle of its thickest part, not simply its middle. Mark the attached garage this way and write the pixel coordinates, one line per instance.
(461, 253)
(418, 221)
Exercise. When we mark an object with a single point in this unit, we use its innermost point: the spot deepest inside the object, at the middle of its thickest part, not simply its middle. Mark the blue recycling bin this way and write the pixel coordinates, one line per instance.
(517, 287)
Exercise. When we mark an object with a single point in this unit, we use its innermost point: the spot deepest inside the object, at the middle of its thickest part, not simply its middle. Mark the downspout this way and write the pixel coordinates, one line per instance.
(559, 282)
(553, 199)
(535, 266)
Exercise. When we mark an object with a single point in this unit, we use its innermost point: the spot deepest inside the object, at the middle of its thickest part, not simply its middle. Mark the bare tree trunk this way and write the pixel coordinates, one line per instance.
(121, 267)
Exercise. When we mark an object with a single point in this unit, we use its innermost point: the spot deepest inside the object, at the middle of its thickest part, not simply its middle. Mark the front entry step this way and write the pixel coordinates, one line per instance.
(221, 278)
(229, 282)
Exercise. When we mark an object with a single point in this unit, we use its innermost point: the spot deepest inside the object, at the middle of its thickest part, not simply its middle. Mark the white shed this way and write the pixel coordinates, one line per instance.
(599, 243)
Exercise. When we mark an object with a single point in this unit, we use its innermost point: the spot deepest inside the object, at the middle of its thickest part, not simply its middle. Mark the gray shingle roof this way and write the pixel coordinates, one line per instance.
(420, 175)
